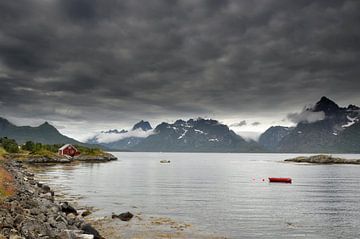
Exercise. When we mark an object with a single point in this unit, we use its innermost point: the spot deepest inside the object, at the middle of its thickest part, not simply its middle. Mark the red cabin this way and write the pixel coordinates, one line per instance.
(68, 149)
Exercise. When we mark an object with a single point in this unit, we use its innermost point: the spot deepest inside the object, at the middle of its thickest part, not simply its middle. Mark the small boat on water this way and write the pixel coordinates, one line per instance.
(280, 180)
(164, 161)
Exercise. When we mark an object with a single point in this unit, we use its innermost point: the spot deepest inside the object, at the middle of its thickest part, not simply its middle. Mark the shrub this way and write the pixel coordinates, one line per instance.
(9, 145)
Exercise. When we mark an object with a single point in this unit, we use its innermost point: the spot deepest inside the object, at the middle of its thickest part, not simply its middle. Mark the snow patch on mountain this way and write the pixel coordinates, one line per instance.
(214, 140)
(199, 131)
(350, 122)
(183, 134)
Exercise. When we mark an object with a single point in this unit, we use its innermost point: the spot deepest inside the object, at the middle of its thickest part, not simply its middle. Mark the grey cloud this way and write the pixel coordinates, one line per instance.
(306, 116)
(240, 124)
(255, 123)
(160, 59)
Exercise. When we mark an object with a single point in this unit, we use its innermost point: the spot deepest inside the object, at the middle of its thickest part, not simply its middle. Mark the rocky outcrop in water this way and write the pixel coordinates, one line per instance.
(33, 213)
(57, 159)
(323, 159)
(126, 216)
(45, 159)
(96, 158)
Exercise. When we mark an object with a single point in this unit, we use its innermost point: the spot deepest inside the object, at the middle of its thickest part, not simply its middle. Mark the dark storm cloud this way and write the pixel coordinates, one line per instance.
(155, 59)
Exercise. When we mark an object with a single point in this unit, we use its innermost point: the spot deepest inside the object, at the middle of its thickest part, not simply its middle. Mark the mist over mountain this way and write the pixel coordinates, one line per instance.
(196, 135)
(123, 139)
(336, 132)
(324, 127)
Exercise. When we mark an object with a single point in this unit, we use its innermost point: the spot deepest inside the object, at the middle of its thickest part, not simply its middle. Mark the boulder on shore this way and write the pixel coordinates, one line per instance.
(323, 159)
(126, 216)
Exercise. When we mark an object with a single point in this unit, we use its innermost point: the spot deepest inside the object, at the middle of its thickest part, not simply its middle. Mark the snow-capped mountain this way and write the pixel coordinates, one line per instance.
(335, 129)
(195, 135)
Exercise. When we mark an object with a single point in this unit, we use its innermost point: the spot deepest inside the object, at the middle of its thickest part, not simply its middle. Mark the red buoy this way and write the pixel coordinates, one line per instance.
(280, 180)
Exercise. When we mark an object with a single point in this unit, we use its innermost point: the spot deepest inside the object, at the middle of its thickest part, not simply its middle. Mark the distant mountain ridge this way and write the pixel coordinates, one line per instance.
(271, 138)
(337, 132)
(335, 129)
(122, 139)
(44, 133)
(194, 135)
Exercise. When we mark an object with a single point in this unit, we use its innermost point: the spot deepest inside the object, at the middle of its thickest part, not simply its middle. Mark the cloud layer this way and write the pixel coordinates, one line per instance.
(109, 61)
(306, 116)
(112, 137)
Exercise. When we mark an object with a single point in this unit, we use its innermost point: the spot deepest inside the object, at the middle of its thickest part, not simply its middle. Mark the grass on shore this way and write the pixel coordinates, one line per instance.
(6, 183)
(2, 153)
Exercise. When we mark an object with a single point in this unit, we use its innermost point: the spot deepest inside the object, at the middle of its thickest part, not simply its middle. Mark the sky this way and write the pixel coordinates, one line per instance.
(92, 65)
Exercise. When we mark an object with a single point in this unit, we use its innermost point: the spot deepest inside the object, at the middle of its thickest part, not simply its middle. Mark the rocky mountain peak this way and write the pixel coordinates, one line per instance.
(353, 107)
(46, 125)
(144, 125)
(326, 105)
(4, 122)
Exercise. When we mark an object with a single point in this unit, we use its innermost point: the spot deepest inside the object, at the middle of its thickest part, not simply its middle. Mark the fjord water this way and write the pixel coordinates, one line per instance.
(223, 193)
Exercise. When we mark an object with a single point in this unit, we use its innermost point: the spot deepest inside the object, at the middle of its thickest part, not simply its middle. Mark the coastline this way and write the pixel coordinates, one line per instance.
(42, 216)
(323, 159)
(32, 212)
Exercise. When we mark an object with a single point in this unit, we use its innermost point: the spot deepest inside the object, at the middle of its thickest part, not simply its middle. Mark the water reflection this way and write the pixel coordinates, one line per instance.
(224, 193)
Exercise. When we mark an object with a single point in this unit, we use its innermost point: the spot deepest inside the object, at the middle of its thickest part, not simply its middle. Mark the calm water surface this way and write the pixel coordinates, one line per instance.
(223, 193)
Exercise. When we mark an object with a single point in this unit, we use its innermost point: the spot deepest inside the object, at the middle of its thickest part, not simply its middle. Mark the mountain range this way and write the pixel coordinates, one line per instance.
(44, 133)
(337, 132)
(322, 128)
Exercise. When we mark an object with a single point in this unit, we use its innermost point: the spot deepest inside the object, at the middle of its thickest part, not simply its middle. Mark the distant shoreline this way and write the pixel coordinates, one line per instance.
(323, 159)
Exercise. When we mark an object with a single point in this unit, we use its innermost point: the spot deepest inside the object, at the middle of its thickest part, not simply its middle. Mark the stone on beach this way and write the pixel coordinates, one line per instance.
(88, 229)
(67, 208)
(126, 216)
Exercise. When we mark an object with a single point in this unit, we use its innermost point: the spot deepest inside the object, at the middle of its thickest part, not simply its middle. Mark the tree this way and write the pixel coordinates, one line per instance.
(9, 145)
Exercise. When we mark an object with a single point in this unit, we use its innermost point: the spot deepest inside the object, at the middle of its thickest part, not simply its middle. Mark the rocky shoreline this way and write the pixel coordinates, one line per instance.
(33, 213)
(106, 157)
(323, 159)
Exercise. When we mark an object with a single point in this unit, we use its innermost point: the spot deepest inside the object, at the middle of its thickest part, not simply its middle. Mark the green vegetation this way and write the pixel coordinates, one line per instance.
(39, 149)
(6, 184)
(89, 151)
(2, 152)
(9, 145)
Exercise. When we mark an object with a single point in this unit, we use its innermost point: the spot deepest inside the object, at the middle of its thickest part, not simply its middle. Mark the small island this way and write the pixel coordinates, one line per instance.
(37, 153)
(323, 159)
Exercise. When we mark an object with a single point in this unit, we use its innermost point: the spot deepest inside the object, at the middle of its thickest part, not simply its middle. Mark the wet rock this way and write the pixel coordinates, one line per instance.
(74, 234)
(85, 213)
(45, 188)
(67, 208)
(88, 229)
(100, 158)
(47, 160)
(126, 216)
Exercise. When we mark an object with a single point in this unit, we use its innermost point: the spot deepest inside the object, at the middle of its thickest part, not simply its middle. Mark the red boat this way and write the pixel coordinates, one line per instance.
(280, 180)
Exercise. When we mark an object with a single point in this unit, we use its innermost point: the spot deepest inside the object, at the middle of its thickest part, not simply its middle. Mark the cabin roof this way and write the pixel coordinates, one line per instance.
(67, 145)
